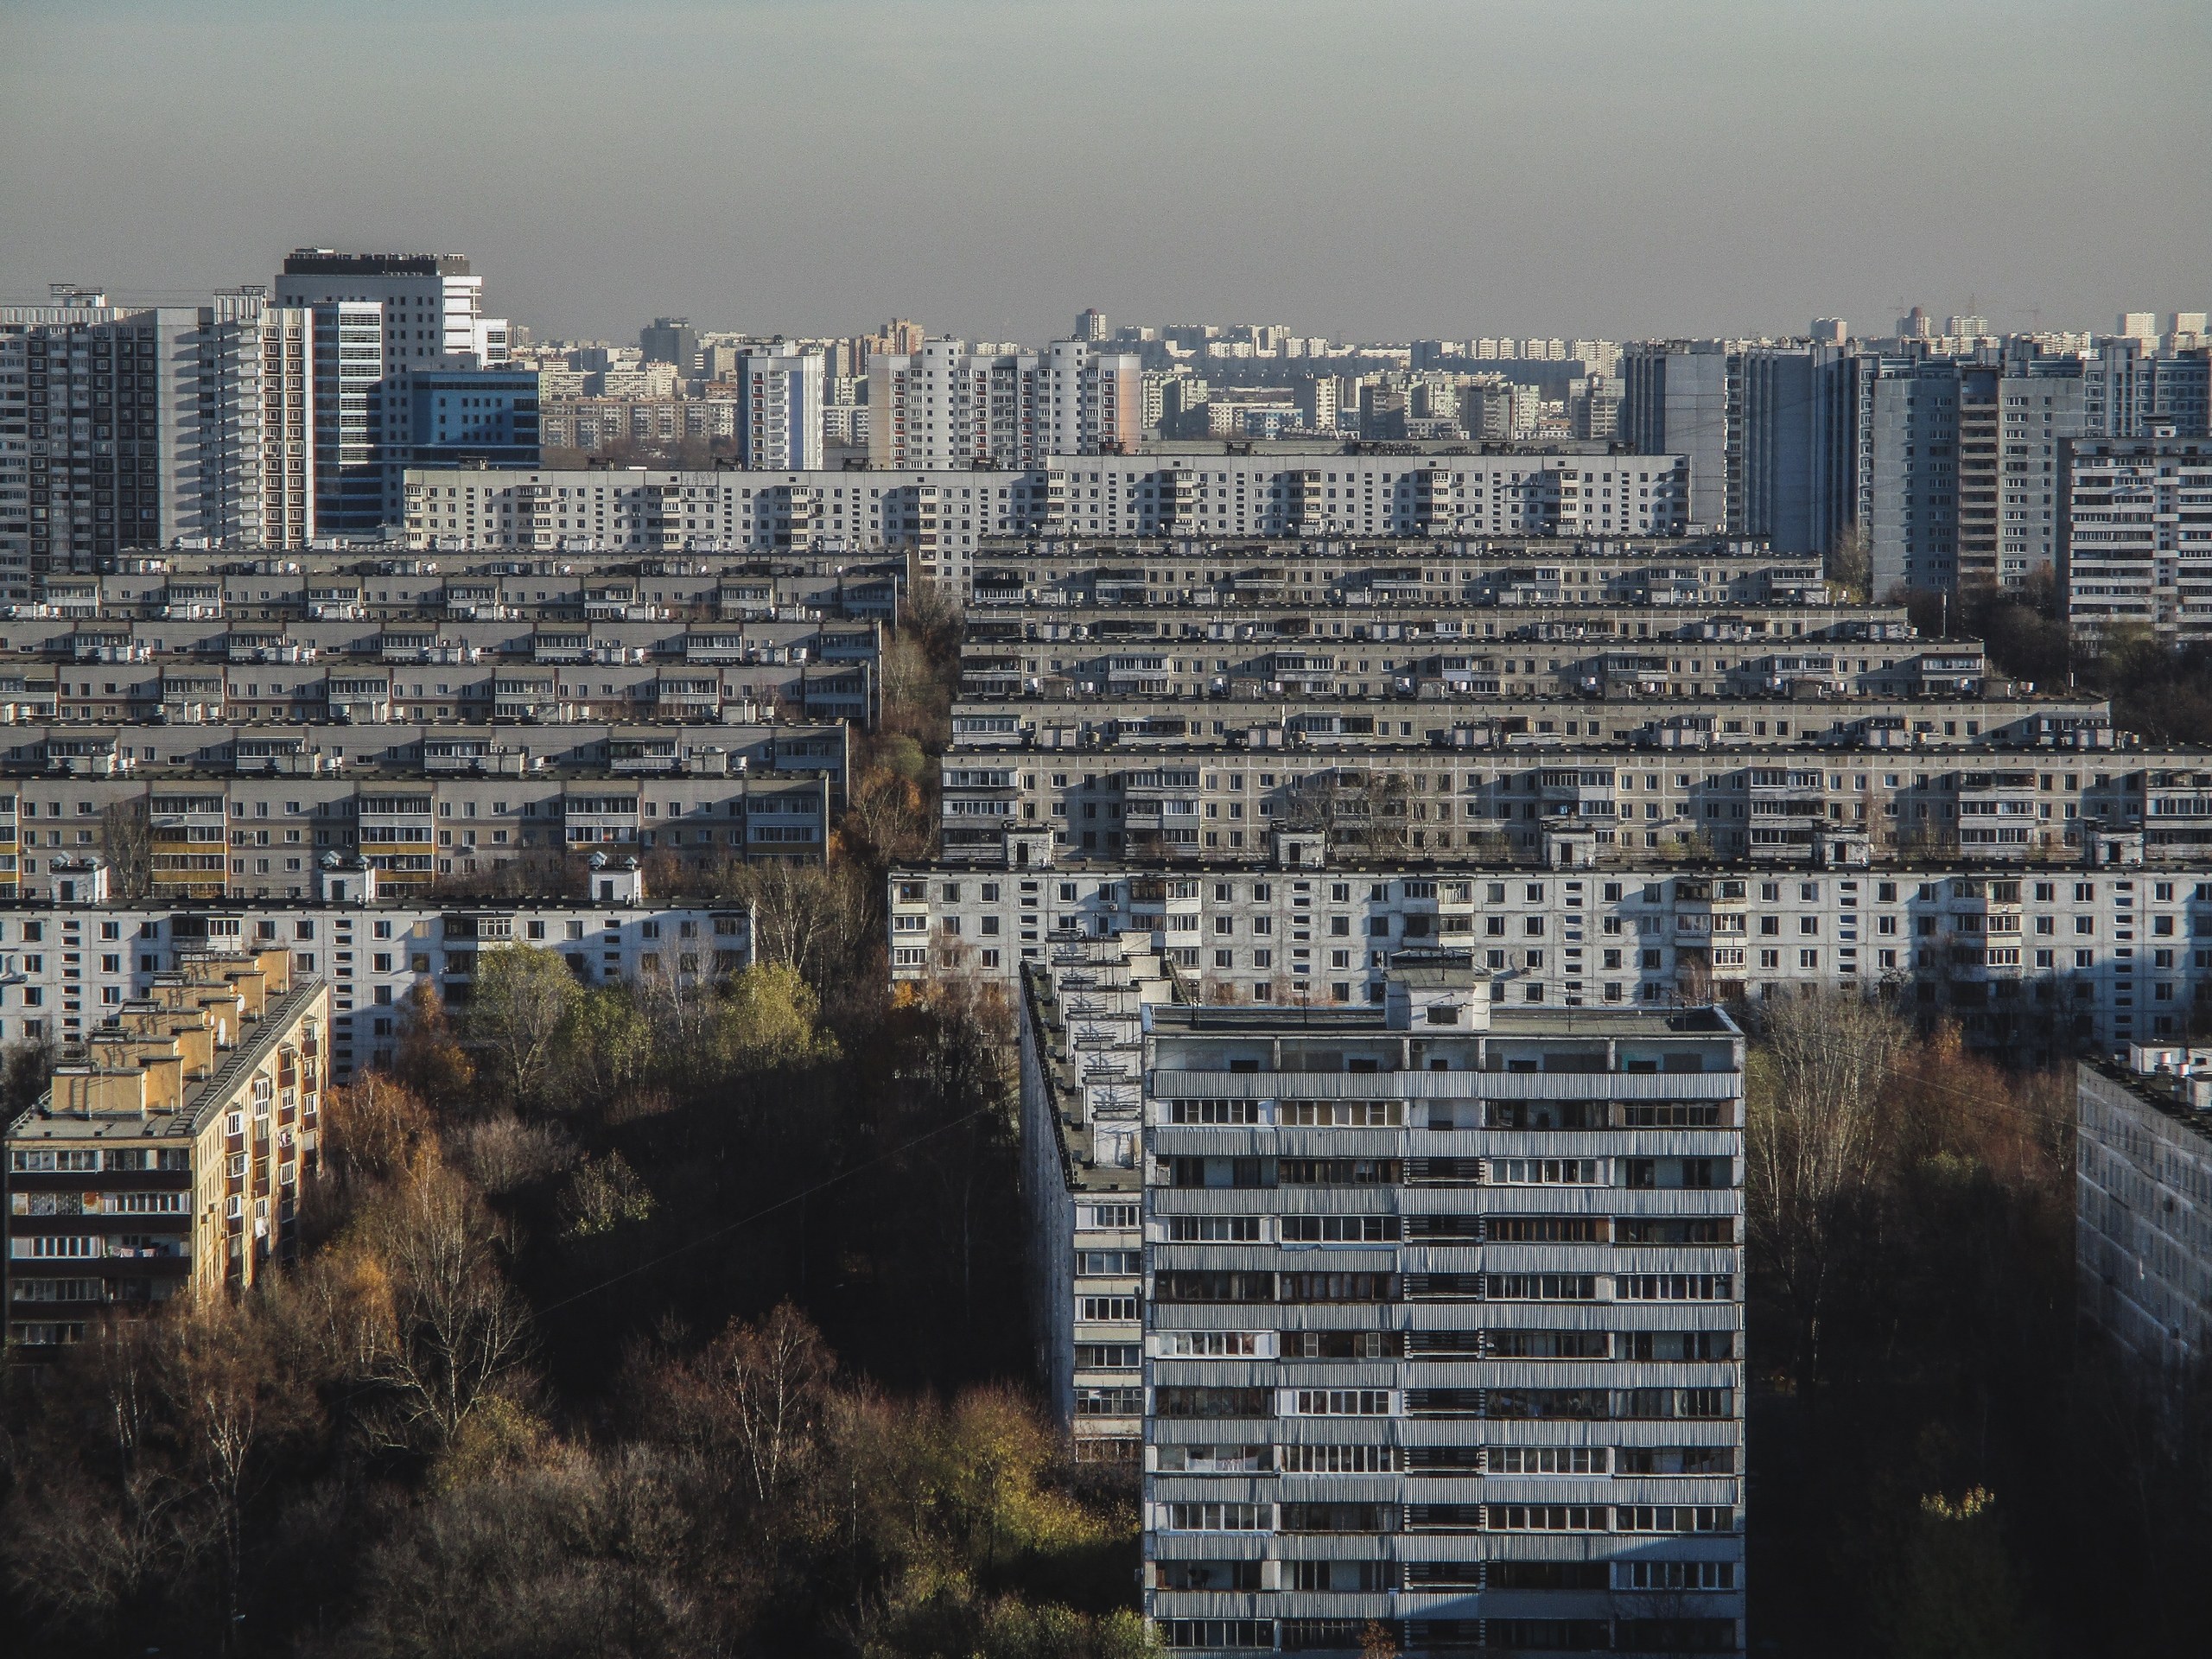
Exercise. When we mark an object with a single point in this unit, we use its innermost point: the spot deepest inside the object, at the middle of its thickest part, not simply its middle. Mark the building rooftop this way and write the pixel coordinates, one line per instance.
(2172, 1093)
(1506, 1020)
(1097, 988)
(329, 262)
(259, 1035)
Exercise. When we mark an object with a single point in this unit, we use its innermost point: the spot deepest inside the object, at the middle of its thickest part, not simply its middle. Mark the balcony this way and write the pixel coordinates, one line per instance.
(655, 755)
(1789, 844)
(1161, 814)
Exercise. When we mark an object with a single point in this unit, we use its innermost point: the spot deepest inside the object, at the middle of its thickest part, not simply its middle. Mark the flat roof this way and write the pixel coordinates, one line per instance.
(40, 1122)
(1507, 1020)
(2146, 1088)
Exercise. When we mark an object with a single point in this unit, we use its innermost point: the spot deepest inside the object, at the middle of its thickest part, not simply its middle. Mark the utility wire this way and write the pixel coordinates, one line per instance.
(901, 1150)
(781, 1204)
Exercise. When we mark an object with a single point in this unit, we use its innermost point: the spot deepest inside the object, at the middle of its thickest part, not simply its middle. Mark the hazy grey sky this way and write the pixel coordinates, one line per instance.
(1361, 168)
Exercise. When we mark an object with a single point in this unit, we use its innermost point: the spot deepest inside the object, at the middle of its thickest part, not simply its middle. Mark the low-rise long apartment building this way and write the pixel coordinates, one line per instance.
(127, 672)
(1593, 575)
(1677, 716)
(167, 1158)
(248, 812)
(1442, 1324)
(945, 516)
(198, 584)
(67, 969)
(2037, 959)
(1780, 784)
(1420, 651)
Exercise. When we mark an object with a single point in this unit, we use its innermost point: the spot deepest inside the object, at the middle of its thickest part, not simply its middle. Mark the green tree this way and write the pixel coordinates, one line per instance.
(524, 1000)
(607, 1046)
(768, 1019)
(1960, 1595)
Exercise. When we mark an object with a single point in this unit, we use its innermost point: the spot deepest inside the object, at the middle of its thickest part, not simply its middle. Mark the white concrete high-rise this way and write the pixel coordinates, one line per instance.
(431, 304)
(779, 415)
(245, 463)
(1085, 401)
(946, 406)
(133, 427)
(428, 315)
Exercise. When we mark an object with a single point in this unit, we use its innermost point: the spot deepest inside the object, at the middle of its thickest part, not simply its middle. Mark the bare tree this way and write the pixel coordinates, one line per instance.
(104, 1524)
(25, 1073)
(1383, 801)
(441, 1330)
(888, 818)
(233, 1404)
(814, 918)
(1364, 811)
(1815, 1137)
(914, 687)
(374, 1130)
(505, 1153)
(127, 844)
(772, 1378)
(430, 1060)
(1851, 563)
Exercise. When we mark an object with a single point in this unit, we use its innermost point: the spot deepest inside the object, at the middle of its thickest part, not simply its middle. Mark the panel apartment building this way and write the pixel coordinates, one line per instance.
(1767, 429)
(125, 426)
(70, 966)
(249, 813)
(945, 516)
(1943, 450)
(1275, 764)
(1080, 1027)
(2036, 961)
(946, 407)
(2143, 1208)
(780, 408)
(166, 1160)
(1442, 1324)
(1963, 462)
(1767, 783)
(2137, 516)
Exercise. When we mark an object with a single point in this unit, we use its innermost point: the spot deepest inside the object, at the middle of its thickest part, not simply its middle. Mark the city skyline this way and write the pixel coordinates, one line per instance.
(1769, 168)
(919, 828)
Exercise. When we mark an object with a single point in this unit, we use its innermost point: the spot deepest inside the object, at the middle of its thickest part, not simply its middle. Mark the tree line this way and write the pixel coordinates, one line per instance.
(541, 1383)
(2162, 691)
(667, 1317)
(1942, 1462)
